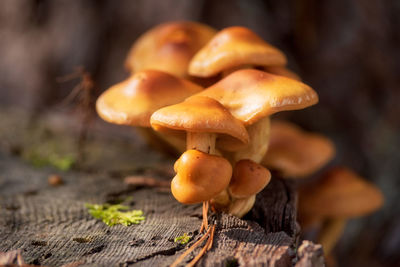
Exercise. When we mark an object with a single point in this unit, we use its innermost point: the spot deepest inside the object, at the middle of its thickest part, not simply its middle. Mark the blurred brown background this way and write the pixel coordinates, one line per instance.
(348, 51)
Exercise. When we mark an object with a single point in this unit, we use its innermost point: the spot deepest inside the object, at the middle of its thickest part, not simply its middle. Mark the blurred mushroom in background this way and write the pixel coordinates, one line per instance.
(340, 194)
(295, 153)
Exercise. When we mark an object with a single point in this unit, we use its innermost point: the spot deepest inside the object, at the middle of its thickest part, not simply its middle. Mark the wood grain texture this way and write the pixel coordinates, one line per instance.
(51, 226)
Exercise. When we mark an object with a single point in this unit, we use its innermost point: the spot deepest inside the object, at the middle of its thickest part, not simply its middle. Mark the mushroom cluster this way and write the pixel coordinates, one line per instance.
(222, 131)
(209, 96)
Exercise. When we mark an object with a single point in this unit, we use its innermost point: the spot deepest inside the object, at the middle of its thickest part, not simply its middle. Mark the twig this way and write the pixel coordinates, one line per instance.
(146, 181)
(84, 92)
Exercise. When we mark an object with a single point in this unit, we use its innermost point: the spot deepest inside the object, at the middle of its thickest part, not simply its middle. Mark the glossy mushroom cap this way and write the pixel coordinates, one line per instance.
(296, 153)
(200, 176)
(202, 115)
(248, 179)
(282, 71)
(132, 101)
(253, 94)
(233, 47)
(340, 193)
(169, 47)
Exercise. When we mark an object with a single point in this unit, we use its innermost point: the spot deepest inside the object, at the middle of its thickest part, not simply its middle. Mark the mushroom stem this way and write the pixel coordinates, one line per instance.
(240, 206)
(221, 201)
(330, 233)
(259, 133)
(204, 142)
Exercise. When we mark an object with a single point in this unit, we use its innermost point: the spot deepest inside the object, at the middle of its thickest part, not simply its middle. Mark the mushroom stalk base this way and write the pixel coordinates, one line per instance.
(330, 233)
(240, 206)
(221, 202)
(259, 133)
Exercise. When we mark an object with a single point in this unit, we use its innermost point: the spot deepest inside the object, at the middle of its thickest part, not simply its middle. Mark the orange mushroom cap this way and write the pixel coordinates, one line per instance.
(340, 193)
(253, 94)
(199, 114)
(296, 153)
(169, 47)
(200, 176)
(233, 47)
(248, 179)
(132, 101)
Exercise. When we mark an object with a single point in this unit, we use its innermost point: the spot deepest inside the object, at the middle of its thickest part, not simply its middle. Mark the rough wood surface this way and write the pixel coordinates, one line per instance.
(276, 211)
(51, 226)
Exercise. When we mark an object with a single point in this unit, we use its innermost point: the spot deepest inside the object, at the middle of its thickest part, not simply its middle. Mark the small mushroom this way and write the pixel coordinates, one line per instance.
(132, 102)
(339, 195)
(200, 176)
(168, 47)
(205, 122)
(248, 179)
(234, 48)
(296, 153)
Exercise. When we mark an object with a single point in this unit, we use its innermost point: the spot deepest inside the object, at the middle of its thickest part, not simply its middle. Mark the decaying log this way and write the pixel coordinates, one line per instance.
(51, 226)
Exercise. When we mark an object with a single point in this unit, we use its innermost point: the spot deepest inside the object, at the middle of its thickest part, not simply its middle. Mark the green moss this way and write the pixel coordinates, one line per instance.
(183, 239)
(115, 214)
(38, 159)
(41, 147)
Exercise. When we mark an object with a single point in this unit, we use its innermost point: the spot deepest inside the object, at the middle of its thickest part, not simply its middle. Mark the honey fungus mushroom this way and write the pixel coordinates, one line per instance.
(296, 153)
(252, 96)
(168, 47)
(132, 102)
(339, 195)
(248, 179)
(205, 122)
(233, 48)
